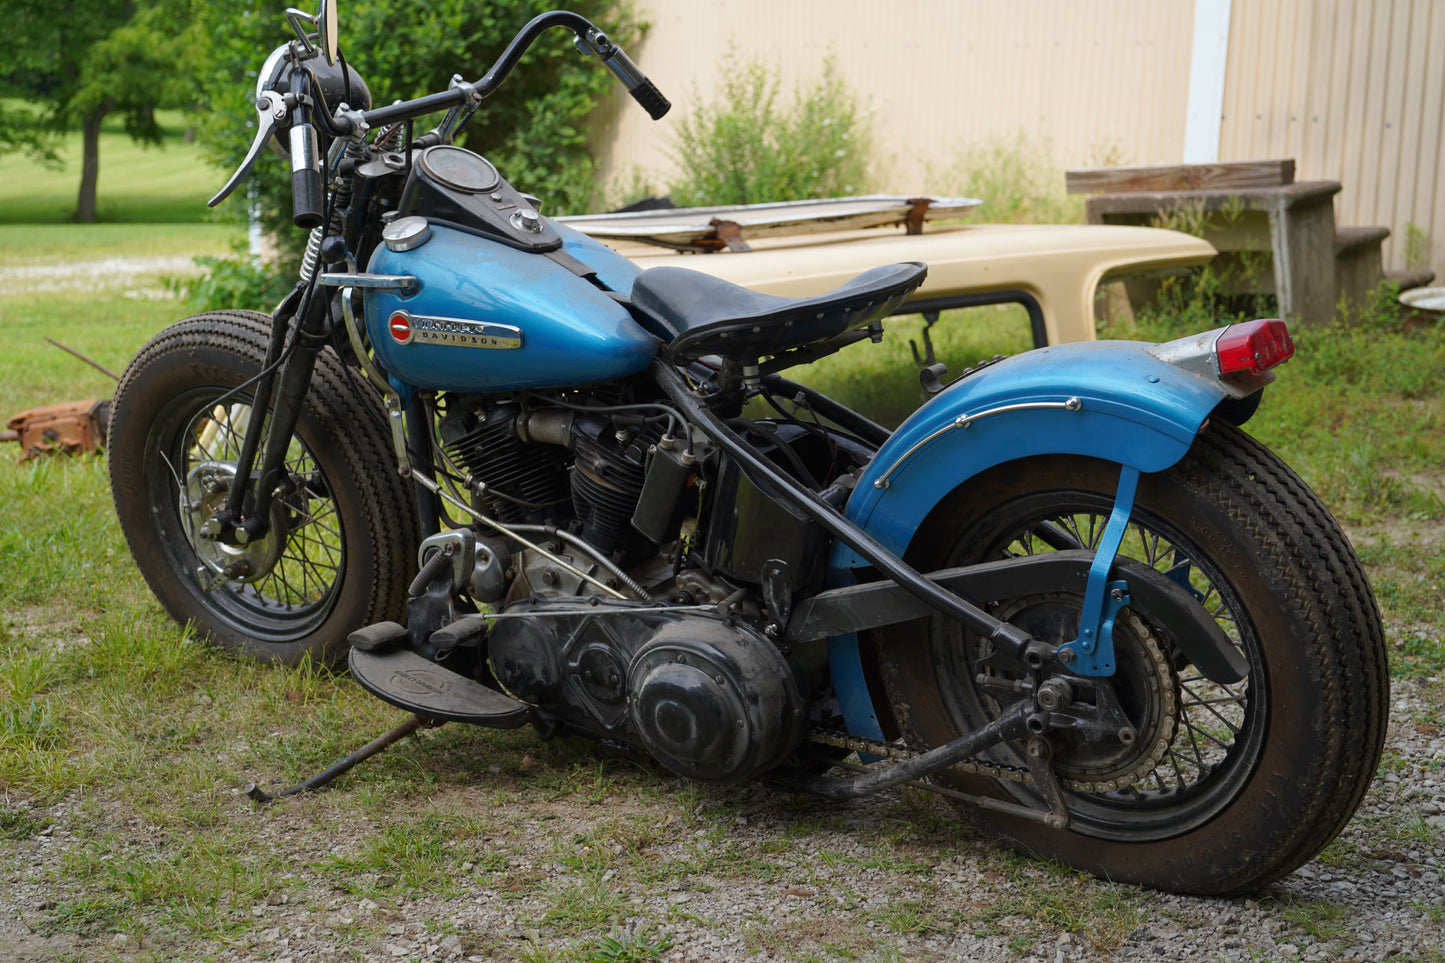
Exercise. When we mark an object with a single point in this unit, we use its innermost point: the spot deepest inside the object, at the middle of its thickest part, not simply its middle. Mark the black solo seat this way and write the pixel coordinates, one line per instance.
(698, 314)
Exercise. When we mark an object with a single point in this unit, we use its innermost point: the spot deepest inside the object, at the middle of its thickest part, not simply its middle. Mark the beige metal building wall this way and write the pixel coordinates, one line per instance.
(1091, 76)
(1354, 90)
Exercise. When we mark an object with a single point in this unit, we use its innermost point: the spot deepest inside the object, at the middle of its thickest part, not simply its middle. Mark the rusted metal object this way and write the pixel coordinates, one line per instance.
(917, 214)
(730, 233)
(68, 428)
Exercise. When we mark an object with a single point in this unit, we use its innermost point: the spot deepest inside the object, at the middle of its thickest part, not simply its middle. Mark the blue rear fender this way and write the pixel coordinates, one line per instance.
(1103, 399)
(1111, 400)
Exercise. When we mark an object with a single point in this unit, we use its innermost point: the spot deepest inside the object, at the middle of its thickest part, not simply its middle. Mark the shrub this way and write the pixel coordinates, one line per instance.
(745, 148)
(236, 281)
(1016, 179)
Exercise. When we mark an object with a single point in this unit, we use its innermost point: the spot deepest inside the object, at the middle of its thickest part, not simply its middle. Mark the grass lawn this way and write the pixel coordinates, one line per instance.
(882, 379)
(127, 188)
(123, 741)
(44, 292)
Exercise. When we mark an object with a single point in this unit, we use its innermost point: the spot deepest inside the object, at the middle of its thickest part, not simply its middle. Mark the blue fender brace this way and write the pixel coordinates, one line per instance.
(1093, 650)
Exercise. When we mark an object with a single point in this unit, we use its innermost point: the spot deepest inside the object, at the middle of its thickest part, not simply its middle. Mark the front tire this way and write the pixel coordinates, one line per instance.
(1226, 788)
(339, 546)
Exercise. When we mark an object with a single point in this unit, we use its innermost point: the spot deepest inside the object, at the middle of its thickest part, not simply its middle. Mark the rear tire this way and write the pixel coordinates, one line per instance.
(340, 546)
(1227, 788)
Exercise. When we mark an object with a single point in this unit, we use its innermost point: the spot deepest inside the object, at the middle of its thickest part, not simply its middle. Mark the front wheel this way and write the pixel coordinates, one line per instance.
(1214, 789)
(338, 546)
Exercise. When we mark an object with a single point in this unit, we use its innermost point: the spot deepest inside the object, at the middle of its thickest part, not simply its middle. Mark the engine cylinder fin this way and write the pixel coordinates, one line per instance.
(486, 442)
(607, 479)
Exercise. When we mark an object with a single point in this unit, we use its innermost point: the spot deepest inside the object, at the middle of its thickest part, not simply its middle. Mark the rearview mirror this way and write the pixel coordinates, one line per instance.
(326, 25)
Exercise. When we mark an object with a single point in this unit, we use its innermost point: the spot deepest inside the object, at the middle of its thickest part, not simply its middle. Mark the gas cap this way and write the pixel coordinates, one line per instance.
(406, 233)
(527, 220)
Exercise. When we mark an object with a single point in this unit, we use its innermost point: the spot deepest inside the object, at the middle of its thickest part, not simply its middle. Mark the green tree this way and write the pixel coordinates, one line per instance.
(22, 130)
(533, 129)
(87, 59)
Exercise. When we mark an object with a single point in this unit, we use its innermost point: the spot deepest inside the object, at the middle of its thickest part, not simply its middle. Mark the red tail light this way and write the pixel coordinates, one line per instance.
(1253, 347)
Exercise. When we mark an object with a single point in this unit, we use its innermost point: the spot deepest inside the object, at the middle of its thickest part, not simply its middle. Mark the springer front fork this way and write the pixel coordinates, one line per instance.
(280, 391)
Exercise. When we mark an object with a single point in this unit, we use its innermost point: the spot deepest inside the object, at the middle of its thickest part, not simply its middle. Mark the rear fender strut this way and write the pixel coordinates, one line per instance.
(1153, 595)
(1092, 653)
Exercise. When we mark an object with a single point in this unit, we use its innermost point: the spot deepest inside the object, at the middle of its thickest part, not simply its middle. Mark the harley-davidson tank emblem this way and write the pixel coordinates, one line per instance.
(408, 328)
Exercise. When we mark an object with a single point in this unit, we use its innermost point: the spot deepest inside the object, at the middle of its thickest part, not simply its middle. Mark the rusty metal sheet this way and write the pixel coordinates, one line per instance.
(68, 428)
(697, 228)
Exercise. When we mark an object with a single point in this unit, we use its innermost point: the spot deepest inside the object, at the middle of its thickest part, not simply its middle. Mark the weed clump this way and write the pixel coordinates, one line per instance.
(748, 148)
(1016, 179)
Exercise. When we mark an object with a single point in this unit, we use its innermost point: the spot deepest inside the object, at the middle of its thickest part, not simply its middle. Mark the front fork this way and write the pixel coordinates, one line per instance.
(305, 316)
(287, 376)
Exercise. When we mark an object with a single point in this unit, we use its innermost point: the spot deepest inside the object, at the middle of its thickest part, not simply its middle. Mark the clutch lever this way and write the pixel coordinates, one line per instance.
(270, 107)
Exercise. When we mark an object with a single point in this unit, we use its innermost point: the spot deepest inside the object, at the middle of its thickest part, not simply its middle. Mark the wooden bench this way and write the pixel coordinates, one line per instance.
(1275, 235)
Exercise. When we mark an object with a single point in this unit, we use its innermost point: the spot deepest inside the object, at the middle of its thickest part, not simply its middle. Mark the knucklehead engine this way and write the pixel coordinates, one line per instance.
(700, 684)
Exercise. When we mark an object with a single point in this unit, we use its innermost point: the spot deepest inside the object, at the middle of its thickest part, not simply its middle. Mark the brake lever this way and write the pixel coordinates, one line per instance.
(270, 107)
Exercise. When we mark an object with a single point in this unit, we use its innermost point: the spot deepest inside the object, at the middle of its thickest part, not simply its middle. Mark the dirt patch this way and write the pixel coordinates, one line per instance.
(51, 276)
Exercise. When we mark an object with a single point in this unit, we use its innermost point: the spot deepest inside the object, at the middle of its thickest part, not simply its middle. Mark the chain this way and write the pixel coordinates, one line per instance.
(897, 751)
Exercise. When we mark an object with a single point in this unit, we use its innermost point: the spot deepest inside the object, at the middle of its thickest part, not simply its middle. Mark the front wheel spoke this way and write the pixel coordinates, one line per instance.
(314, 521)
(304, 546)
(319, 560)
(296, 570)
(317, 577)
(292, 571)
(286, 592)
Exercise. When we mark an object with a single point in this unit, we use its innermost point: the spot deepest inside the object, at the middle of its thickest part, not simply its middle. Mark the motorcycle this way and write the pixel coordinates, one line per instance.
(512, 479)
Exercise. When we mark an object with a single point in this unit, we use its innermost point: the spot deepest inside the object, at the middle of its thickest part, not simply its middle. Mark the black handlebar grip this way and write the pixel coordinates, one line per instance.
(308, 200)
(651, 99)
(308, 193)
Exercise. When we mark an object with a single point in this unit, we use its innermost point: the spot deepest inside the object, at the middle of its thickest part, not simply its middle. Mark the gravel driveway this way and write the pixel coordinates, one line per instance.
(741, 874)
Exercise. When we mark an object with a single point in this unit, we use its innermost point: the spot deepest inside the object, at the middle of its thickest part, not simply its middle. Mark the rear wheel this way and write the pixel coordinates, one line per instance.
(338, 547)
(1213, 788)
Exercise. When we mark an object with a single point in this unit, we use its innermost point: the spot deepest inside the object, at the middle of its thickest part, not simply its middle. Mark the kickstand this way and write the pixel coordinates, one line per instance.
(341, 766)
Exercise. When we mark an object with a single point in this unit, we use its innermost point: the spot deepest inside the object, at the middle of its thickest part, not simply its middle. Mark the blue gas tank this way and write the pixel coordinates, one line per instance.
(486, 317)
